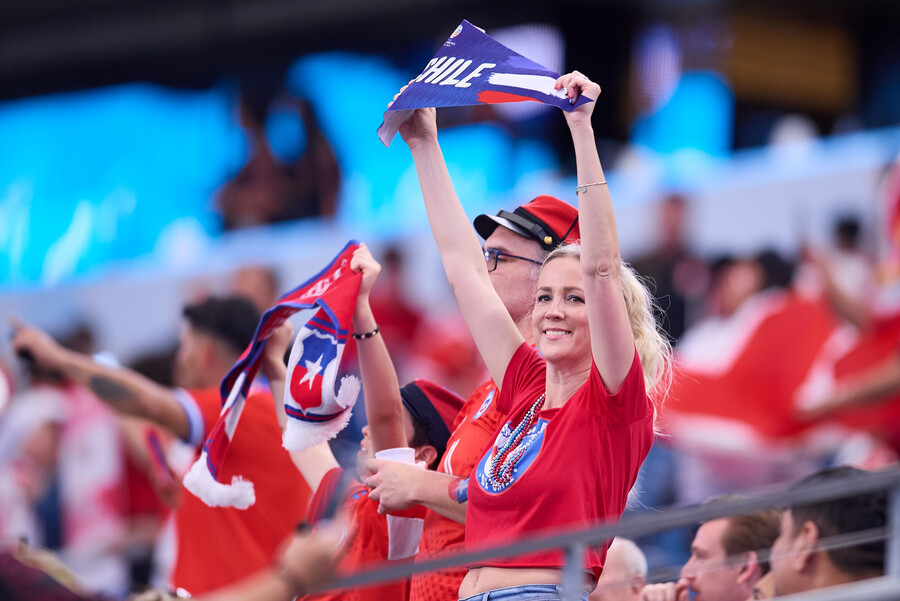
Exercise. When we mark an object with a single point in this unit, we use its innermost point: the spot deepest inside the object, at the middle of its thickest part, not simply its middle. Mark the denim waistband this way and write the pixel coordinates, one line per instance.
(514, 591)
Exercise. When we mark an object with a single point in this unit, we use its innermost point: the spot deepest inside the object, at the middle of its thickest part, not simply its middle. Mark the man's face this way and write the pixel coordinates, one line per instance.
(782, 555)
(514, 279)
(189, 358)
(706, 571)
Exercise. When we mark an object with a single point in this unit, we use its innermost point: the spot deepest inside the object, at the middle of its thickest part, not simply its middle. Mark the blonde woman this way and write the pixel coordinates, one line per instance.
(580, 419)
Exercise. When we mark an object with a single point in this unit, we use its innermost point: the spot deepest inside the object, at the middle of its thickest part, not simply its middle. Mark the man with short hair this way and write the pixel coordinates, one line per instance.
(215, 546)
(516, 244)
(727, 560)
(624, 573)
(801, 561)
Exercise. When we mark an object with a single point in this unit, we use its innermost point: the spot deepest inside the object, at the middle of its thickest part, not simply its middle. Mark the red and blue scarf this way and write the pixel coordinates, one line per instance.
(315, 413)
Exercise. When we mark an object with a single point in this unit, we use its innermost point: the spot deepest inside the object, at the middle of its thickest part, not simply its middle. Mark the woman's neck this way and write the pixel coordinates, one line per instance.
(562, 383)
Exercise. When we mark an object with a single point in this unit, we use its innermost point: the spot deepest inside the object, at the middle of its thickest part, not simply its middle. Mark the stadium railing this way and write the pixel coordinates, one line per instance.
(884, 588)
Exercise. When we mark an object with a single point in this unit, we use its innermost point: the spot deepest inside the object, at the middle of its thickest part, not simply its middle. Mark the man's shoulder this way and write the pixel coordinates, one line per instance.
(205, 396)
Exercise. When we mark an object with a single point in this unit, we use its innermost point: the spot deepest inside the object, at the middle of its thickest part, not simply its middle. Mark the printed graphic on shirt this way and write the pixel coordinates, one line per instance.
(515, 461)
(448, 458)
(485, 405)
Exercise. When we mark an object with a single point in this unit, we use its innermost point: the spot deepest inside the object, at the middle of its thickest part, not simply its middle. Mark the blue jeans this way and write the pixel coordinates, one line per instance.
(526, 592)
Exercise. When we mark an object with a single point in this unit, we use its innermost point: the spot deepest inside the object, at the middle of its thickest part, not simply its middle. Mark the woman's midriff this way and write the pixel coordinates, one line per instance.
(483, 579)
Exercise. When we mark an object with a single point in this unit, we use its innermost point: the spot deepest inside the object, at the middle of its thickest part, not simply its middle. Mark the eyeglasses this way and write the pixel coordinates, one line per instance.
(492, 256)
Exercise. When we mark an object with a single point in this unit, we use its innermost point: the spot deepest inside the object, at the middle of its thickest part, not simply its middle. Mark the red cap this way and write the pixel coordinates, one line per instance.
(547, 220)
(435, 407)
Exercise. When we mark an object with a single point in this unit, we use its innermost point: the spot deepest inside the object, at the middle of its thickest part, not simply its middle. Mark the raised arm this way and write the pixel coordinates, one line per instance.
(612, 341)
(381, 390)
(493, 330)
(878, 384)
(124, 390)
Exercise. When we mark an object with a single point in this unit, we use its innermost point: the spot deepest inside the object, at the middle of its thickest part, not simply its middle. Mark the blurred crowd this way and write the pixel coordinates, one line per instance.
(785, 366)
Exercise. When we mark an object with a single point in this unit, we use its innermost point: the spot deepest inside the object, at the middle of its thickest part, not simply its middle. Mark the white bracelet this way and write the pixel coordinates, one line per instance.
(583, 187)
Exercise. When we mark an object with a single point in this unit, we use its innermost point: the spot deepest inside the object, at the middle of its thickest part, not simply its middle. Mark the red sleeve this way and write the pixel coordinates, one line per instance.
(210, 405)
(525, 374)
(326, 490)
(630, 404)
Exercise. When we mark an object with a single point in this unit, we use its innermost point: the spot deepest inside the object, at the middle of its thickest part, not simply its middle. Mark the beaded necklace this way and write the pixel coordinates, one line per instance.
(503, 464)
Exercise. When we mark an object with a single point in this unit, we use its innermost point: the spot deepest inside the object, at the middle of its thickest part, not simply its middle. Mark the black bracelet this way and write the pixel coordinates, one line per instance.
(366, 335)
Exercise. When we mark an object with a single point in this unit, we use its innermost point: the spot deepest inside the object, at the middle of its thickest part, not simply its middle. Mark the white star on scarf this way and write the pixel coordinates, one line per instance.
(312, 370)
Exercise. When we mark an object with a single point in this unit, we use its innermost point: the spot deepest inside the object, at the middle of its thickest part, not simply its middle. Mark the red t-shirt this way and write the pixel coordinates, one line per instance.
(474, 427)
(218, 546)
(583, 459)
(367, 549)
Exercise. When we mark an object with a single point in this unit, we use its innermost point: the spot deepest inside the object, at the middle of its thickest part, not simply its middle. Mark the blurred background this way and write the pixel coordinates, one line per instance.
(154, 153)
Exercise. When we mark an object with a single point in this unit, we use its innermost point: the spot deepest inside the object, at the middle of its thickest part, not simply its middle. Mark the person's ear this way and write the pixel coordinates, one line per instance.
(637, 584)
(805, 545)
(427, 454)
(209, 353)
(750, 570)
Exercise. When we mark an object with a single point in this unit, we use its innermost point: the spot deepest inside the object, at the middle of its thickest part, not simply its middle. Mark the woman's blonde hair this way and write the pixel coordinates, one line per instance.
(653, 347)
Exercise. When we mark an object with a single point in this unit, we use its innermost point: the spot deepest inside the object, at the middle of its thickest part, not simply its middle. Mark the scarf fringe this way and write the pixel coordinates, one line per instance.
(200, 482)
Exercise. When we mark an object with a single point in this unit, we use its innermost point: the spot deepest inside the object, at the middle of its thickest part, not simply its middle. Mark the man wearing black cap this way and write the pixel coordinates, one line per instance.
(516, 244)
(215, 546)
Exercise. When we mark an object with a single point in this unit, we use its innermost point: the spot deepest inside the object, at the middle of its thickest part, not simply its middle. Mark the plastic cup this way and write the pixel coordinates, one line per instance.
(401, 454)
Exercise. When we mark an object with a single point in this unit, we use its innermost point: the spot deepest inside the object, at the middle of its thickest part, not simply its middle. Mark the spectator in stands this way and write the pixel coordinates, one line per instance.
(216, 546)
(728, 557)
(61, 462)
(258, 284)
(287, 177)
(397, 318)
(802, 559)
(679, 279)
(624, 573)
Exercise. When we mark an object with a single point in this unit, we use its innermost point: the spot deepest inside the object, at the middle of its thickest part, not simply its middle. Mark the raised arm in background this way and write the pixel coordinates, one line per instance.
(493, 330)
(124, 390)
(381, 389)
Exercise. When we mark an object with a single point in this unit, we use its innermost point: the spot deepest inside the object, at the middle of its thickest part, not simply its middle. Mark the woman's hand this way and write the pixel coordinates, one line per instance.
(421, 127)
(577, 84)
(364, 262)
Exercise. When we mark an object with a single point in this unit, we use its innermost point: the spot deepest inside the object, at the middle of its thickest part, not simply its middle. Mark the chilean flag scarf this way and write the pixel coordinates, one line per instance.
(315, 413)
